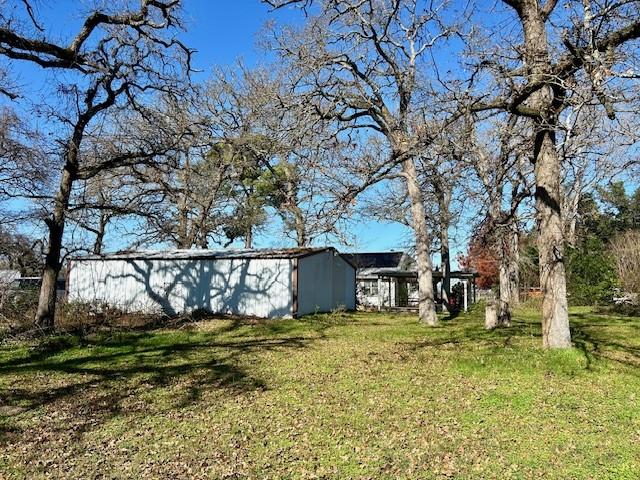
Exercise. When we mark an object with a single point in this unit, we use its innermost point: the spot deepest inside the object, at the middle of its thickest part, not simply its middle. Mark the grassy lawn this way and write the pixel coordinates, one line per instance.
(344, 396)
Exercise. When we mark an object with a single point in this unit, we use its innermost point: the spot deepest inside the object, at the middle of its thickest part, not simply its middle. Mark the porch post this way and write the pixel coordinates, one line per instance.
(474, 290)
(379, 293)
(466, 294)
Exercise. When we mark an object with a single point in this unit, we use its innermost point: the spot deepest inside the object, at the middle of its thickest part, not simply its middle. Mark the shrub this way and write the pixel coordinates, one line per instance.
(591, 274)
(18, 308)
(625, 250)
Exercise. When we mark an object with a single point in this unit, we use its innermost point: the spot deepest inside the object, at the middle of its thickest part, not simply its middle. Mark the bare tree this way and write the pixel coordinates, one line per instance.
(282, 152)
(586, 43)
(363, 65)
(182, 197)
(594, 152)
(443, 172)
(100, 202)
(500, 164)
(120, 56)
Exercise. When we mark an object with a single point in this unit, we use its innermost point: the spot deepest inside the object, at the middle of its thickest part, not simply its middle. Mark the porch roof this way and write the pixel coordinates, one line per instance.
(397, 273)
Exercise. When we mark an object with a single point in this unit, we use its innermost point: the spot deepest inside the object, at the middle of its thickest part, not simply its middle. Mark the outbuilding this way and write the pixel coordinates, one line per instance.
(251, 282)
(389, 280)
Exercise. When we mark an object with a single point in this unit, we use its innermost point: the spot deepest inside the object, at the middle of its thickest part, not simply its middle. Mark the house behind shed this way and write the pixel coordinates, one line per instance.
(258, 282)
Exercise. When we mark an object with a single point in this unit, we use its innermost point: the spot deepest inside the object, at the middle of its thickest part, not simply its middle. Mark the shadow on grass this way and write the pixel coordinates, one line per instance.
(596, 337)
(606, 337)
(464, 331)
(92, 379)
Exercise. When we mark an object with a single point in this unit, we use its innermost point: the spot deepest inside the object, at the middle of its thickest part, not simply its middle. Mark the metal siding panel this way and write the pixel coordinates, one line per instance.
(260, 287)
(325, 282)
(315, 279)
(343, 284)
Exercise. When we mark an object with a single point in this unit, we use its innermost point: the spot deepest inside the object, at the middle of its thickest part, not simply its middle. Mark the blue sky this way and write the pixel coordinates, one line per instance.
(221, 32)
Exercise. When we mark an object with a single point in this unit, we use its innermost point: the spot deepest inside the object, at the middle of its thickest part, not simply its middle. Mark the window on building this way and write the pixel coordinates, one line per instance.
(369, 288)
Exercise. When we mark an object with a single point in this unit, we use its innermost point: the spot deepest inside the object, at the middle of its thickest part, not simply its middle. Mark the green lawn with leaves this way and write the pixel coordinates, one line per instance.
(362, 395)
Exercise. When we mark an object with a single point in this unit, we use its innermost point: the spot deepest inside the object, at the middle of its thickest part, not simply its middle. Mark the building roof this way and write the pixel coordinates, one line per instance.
(202, 254)
(375, 259)
(8, 276)
(400, 273)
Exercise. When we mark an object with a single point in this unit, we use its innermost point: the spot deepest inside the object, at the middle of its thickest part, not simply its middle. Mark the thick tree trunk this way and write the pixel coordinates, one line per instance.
(504, 299)
(426, 305)
(555, 313)
(546, 103)
(514, 266)
(509, 274)
(491, 319)
(504, 306)
(45, 315)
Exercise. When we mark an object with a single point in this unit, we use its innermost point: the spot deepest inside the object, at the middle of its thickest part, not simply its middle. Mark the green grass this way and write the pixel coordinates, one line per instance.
(345, 396)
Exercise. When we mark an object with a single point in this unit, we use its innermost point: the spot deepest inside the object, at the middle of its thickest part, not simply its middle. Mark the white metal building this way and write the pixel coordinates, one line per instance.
(258, 282)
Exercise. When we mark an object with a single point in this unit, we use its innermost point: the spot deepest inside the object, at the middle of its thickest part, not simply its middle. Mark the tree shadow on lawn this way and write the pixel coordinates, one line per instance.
(597, 337)
(467, 331)
(89, 380)
(606, 337)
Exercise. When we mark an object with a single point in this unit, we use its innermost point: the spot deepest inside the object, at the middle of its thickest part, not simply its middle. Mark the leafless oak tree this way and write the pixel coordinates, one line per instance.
(500, 159)
(120, 56)
(584, 43)
(363, 65)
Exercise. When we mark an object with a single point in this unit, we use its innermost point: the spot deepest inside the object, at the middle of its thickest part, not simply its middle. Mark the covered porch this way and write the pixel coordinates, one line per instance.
(398, 289)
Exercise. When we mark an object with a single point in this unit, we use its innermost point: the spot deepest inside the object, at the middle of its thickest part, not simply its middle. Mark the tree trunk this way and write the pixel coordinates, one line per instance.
(555, 314)
(301, 235)
(445, 262)
(203, 241)
(426, 306)
(504, 299)
(444, 201)
(45, 315)
(182, 230)
(248, 238)
(514, 265)
(509, 273)
(98, 243)
(491, 319)
(546, 103)
(301, 228)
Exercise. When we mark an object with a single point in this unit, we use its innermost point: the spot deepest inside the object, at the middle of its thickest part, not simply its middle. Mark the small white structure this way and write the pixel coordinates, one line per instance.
(374, 290)
(257, 282)
(389, 280)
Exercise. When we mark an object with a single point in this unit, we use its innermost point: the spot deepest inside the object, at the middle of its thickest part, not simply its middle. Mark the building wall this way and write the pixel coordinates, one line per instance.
(344, 284)
(388, 293)
(257, 287)
(373, 301)
(325, 282)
